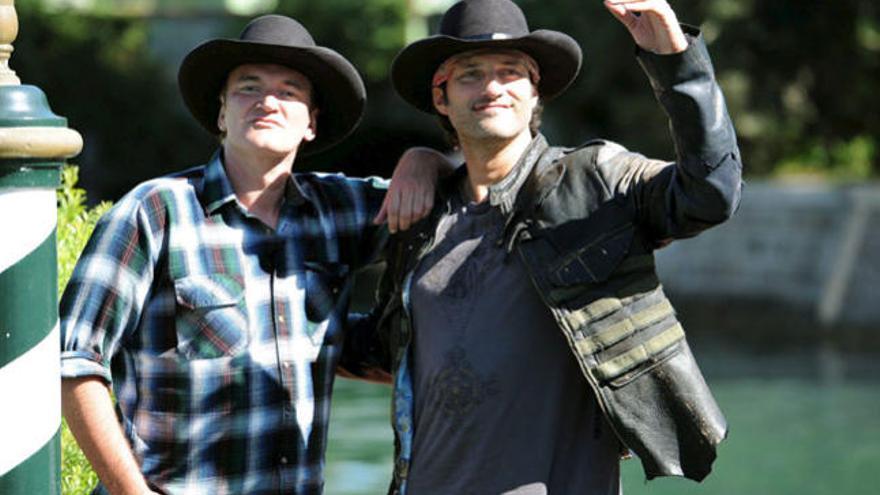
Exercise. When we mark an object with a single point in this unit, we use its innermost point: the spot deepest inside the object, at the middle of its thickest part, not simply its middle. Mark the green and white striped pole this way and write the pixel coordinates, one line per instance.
(33, 145)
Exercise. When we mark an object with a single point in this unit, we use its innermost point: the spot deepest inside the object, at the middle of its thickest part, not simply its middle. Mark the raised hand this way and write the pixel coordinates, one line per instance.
(652, 24)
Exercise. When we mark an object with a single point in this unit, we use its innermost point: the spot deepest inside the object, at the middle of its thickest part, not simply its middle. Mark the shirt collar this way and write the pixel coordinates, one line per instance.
(217, 189)
(503, 193)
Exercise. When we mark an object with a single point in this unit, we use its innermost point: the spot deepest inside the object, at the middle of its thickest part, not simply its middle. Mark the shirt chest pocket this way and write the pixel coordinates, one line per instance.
(211, 316)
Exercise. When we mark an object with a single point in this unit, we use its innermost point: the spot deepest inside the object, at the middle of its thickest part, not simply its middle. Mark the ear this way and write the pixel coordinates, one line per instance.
(221, 117)
(312, 129)
(536, 97)
(440, 102)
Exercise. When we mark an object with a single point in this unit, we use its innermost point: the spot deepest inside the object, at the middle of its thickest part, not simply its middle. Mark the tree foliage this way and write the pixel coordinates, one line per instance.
(800, 77)
(98, 72)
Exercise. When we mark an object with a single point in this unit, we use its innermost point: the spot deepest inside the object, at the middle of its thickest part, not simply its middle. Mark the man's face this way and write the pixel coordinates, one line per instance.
(267, 108)
(488, 96)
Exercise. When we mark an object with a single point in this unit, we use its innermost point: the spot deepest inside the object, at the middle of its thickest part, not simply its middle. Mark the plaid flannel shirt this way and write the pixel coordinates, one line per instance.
(219, 335)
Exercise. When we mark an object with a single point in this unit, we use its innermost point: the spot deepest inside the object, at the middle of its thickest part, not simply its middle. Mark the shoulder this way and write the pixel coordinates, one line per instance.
(592, 153)
(159, 195)
(339, 181)
(184, 182)
(339, 189)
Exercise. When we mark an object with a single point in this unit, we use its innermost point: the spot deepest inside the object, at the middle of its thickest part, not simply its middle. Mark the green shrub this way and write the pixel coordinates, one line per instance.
(846, 161)
(76, 221)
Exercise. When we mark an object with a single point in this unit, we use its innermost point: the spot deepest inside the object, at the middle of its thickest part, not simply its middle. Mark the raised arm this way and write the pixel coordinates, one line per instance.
(702, 188)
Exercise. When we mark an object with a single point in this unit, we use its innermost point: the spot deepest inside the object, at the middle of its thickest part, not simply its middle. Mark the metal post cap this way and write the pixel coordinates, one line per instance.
(26, 106)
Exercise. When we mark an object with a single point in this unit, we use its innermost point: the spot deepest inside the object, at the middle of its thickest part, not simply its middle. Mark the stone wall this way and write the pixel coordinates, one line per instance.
(806, 249)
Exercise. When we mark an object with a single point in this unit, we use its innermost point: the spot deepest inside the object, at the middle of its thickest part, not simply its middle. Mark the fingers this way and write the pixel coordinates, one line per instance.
(382, 216)
(427, 204)
(393, 212)
(404, 205)
(410, 196)
(657, 31)
(626, 10)
(418, 206)
(623, 12)
(619, 11)
(389, 210)
(404, 217)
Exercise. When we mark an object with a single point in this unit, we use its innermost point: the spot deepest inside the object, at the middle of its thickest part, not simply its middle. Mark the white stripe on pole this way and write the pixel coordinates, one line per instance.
(31, 411)
(27, 218)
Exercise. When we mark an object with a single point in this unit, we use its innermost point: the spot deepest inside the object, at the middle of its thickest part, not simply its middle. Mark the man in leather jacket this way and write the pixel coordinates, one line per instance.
(529, 339)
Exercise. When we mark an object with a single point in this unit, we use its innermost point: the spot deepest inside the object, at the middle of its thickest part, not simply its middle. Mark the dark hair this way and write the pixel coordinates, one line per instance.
(452, 137)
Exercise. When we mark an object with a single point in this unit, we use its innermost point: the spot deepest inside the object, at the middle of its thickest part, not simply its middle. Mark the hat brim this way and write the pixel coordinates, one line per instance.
(340, 90)
(558, 56)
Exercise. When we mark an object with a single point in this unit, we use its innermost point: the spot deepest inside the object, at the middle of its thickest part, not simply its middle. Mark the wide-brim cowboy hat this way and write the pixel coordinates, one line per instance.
(479, 24)
(275, 39)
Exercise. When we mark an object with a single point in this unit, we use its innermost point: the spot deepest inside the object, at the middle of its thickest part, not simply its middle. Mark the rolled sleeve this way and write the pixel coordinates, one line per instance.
(79, 364)
(105, 295)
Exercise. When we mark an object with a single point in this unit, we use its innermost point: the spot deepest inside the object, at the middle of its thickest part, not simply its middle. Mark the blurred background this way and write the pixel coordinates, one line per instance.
(779, 303)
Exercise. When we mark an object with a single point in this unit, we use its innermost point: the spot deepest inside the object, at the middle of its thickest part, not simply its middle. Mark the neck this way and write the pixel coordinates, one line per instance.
(258, 181)
(489, 161)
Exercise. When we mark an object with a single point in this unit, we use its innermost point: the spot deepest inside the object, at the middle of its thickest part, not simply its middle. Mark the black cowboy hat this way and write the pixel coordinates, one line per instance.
(477, 24)
(275, 39)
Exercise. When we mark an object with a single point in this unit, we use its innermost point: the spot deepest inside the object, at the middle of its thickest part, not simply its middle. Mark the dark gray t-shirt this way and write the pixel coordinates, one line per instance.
(500, 403)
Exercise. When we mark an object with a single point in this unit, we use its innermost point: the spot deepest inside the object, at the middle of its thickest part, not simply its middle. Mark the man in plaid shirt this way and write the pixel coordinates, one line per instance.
(214, 300)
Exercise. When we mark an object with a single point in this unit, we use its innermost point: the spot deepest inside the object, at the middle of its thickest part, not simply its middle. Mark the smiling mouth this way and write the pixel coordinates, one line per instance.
(490, 107)
(263, 122)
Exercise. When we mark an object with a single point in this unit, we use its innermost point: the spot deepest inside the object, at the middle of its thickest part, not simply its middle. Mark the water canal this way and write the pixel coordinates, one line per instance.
(805, 423)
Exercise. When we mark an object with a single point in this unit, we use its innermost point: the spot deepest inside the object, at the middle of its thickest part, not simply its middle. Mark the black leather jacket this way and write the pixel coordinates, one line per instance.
(585, 224)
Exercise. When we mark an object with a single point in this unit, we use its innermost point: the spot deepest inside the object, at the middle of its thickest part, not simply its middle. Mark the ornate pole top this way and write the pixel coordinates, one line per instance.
(8, 33)
(28, 128)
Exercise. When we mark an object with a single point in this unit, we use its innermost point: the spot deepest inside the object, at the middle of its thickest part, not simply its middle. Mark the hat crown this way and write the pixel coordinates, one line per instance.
(277, 30)
(484, 19)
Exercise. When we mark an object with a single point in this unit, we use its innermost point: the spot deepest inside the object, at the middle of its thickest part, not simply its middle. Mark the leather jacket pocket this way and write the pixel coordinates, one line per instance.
(211, 317)
(622, 339)
(595, 260)
(647, 365)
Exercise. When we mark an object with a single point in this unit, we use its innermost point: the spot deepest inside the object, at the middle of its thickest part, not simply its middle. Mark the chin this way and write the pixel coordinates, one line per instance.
(502, 133)
(280, 146)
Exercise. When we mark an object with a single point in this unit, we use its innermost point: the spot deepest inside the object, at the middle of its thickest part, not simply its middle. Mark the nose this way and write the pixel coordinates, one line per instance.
(269, 101)
(494, 87)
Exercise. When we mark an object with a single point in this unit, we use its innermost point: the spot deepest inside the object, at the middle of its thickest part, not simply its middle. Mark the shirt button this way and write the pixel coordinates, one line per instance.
(283, 460)
(281, 319)
(286, 365)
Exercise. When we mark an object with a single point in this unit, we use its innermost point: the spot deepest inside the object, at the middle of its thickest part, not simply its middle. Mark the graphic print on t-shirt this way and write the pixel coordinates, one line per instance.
(458, 388)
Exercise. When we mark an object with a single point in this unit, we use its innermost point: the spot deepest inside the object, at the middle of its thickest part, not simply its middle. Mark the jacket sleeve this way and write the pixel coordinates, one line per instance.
(367, 351)
(703, 186)
(361, 355)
